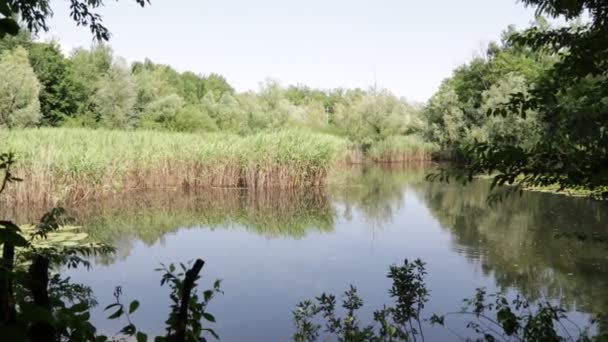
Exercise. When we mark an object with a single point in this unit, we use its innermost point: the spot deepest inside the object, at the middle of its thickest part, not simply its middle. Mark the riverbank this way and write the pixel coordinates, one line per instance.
(555, 189)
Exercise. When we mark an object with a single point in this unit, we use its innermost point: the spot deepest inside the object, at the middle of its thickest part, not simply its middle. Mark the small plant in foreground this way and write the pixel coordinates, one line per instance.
(494, 317)
(187, 310)
(397, 323)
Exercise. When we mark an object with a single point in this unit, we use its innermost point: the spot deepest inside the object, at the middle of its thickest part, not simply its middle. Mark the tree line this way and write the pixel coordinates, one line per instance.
(93, 88)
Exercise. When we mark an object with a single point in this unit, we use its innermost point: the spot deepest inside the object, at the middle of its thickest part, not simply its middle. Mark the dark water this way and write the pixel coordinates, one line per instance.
(273, 250)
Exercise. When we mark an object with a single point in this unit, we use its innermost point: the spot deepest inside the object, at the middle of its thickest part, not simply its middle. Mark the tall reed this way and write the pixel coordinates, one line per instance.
(402, 149)
(74, 164)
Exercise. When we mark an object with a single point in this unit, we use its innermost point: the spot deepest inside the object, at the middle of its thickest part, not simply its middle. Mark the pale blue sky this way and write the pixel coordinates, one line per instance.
(410, 46)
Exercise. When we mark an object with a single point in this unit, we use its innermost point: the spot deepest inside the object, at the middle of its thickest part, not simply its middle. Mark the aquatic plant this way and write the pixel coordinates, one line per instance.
(75, 164)
(402, 149)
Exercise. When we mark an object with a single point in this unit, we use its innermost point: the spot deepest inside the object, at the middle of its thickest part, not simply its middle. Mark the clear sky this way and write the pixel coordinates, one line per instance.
(407, 46)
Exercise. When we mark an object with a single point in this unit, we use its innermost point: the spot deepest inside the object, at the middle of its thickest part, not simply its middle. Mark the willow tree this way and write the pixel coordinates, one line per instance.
(376, 116)
(115, 98)
(19, 90)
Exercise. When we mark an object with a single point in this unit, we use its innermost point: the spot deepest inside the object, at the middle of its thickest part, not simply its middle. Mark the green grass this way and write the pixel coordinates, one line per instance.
(62, 163)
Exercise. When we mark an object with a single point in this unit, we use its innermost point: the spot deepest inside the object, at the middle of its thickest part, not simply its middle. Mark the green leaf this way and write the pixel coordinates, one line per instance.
(208, 317)
(10, 226)
(133, 306)
(212, 332)
(80, 307)
(141, 337)
(117, 314)
(10, 234)
(34, 313)
(111, 306)
(9, 26)
(128, 330)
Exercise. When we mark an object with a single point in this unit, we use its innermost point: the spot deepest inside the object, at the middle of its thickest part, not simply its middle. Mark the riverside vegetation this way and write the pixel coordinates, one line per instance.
(532, 109)
(146, 125)
(99, 93)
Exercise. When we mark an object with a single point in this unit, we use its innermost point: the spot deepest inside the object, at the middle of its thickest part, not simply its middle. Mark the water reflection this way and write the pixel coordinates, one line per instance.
(277, 248)
(377, 191)
(520, 242)
(148, 217)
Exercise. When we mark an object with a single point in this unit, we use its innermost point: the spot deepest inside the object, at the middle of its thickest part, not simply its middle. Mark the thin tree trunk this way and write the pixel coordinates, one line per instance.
(41, 330)
(7, 299)
(182, 316)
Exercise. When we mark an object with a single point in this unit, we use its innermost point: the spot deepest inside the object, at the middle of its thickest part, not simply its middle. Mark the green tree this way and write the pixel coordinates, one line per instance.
(163, 111)
(446, 125)
(19, 90)
(23, 39)
(312, 115)
(225, 111)
(517, 130)
(192, 87)
(276, 110)
(85, 70)
(376, 116)
(217, 84)
(570, 99)
(115, 98)
(189, 86)
(151, 86)
(457, 116)
(192, 119)
(57, 98)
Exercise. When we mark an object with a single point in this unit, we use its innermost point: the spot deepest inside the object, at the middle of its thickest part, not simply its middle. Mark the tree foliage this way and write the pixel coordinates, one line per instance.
(533, 110)
(57, 93)
(19, 90)
(115, 98)
(571, 98)
(34, 14)
(376, 116)
(467, 107)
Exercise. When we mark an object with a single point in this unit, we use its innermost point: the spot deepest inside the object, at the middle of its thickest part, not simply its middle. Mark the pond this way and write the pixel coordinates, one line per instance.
(275, 249)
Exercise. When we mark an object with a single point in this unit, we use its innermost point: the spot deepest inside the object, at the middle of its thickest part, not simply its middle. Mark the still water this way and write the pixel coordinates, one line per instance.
(275, 249)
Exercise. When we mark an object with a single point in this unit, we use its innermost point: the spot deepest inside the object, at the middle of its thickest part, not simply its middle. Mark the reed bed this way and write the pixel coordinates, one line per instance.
(402, 149)
(61, 164)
